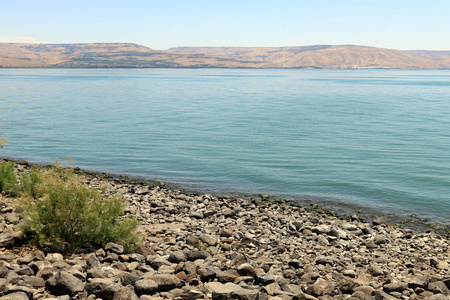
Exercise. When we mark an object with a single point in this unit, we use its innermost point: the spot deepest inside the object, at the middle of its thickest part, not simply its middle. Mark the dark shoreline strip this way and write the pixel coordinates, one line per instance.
(337, 208)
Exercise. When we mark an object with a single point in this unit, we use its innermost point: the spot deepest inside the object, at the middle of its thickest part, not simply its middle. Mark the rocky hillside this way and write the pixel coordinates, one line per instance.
(125, 55)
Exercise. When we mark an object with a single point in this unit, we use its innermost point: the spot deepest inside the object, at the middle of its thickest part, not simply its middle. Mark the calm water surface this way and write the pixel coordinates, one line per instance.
(375, 138)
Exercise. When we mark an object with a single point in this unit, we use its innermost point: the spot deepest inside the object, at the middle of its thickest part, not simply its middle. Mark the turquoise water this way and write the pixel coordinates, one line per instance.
(375, 138)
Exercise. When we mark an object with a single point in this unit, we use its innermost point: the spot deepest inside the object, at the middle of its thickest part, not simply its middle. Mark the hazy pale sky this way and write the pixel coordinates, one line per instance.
(161, 24)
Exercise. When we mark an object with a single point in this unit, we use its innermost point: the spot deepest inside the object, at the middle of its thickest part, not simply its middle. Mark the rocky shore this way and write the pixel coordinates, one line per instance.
(207, 247)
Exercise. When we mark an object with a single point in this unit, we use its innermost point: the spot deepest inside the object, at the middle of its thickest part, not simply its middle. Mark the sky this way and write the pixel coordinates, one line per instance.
(162, 24)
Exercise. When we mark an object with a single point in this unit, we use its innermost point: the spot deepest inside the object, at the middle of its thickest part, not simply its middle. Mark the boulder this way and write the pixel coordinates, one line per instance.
(6, 240)
(166, 282)
(113, 247)
(64, 283)
(102, 288)
(145, 287)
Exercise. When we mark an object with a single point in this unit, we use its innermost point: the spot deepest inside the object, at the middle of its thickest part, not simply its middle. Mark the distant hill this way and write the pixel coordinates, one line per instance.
(127, 55)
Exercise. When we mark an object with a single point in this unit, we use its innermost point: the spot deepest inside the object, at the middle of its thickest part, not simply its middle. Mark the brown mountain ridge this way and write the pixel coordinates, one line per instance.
(127, 55)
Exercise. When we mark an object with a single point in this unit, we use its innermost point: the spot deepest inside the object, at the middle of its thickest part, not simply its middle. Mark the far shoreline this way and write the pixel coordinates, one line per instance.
(337, 208)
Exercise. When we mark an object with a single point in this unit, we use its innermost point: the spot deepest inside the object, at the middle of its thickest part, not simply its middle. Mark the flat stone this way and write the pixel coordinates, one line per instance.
(396, 286)
(166, 282)
(442, 265)
(96, 273)
(323, 260)
(228, 276)
(208, 239)
(15, 296)
(365, 289)
(113, 247)
(437, 297)
(230, 291)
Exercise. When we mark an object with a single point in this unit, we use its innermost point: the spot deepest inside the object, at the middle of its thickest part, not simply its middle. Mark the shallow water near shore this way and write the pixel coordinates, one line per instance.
(378, 139)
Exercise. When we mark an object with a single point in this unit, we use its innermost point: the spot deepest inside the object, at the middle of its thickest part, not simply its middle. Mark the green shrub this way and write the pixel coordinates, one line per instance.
(29, 182)
(8, 178)
(69, 215)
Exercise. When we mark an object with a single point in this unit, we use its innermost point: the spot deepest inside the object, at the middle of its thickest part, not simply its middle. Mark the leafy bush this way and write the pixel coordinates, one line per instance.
(8, 178)
(66, 213)
(29, 181)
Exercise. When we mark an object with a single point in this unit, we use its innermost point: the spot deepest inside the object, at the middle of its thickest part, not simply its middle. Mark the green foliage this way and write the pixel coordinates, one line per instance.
(64, 212)
(8, 178)
(29, 181)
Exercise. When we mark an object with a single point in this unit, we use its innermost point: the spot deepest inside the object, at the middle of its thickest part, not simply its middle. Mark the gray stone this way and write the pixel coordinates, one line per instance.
(113, 247)
(194, 255)
(226, 233)
(365, 289)
(303, 296)
(177, 257)
(166, 282)
(228, 276)
(102, 288)
(208, 239)
(437, 297)
(157, 262)
(15, 296)
(64, 283)
(125, 293)
(96, 273)
(246, 269)
(380, 295)
(230, 291)
(438, 287)
(206, 274)
(272, 288)
(395, 286)
(6, 240)
(323, 260)
(418, 281)
(129, 279)
(28, 281)
(380, 239)
(92, 261)
(196, 215)
(12, 218)
(292, 289)
(145, 286)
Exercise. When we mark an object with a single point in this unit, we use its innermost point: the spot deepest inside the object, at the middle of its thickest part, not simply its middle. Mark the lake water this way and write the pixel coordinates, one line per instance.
(374, 138)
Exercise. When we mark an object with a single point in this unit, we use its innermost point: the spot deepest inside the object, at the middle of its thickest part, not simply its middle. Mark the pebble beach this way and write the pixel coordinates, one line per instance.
(220, 247)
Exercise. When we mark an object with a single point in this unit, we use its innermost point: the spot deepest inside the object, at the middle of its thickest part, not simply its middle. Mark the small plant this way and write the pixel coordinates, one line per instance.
(8, 178)
(447, 230)
(264, 197)
(64, 212)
